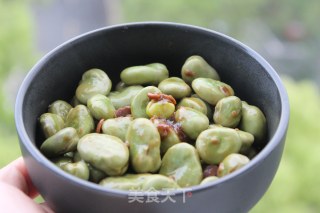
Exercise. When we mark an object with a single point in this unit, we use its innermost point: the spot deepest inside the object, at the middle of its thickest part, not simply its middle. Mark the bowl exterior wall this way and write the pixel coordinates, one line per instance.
(239, 194)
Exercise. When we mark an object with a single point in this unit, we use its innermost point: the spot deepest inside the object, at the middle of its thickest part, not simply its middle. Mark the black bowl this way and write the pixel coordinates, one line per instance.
(114, 48)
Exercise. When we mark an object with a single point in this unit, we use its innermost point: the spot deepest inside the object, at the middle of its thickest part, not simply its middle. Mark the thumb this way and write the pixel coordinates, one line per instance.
(16, 174)
(18, 190)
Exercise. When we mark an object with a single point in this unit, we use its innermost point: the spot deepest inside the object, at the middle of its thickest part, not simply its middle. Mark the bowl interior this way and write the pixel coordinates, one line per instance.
(57, 75)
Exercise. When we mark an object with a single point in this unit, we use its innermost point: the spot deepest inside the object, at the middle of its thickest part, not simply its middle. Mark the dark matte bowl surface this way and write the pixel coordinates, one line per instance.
(114, 48)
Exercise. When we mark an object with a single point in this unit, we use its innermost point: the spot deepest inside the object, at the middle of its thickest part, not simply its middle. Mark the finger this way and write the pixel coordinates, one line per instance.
(14, 200)
(16, 175)
(46, 208)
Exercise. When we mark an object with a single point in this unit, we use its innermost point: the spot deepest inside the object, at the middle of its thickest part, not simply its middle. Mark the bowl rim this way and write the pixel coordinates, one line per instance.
(41, 159)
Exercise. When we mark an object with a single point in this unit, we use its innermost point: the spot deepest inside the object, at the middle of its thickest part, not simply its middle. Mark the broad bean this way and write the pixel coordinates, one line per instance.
(60, 107)
(195, 67)
(232, 163)
(144, 145)
(182, 163)
(146, 74)
(228, 111)
(80, 119)
(60, 143)
(50, 124)
(94, 81)
(105, 152)
(253, 121)
(141, 129)
(79, 169)
(123, 97)
(211, 90)
(117, 127)
(101, 107)
(176, 87)
(140, 101)
(141, 182)
(215, 144)
(192, 121)
(194, 103)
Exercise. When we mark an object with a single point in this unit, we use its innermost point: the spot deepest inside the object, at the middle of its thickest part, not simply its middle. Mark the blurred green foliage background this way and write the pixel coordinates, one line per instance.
(17, 54)
(284, 32)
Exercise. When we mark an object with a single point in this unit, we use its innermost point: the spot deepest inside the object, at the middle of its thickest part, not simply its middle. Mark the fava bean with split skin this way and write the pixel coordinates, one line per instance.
(94, 81)
(169, 136)
(160, 109)
(141, 100)
(153, 132)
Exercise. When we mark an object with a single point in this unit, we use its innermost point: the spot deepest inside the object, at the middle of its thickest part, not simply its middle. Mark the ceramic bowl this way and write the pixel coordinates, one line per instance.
(114, 48)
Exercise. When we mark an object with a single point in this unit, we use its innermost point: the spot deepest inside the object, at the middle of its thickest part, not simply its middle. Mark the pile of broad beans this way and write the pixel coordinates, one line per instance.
(152, 131)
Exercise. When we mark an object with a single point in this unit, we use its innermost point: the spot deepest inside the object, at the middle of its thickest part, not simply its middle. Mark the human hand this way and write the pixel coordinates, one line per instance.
(17, 191)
